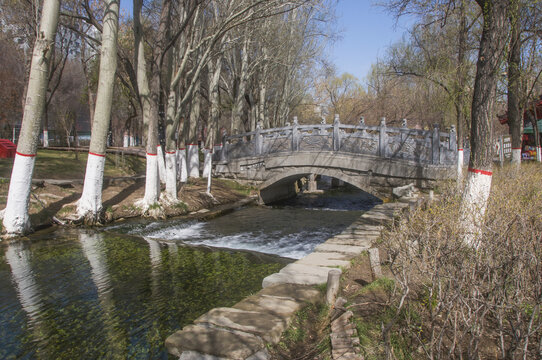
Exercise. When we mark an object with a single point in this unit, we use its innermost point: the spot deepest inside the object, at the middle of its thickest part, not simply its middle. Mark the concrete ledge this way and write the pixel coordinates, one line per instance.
(240, 332)
(214, 341)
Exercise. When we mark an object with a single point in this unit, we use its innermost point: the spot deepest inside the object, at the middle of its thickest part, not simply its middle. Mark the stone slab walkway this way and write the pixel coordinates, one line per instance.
(241, 332)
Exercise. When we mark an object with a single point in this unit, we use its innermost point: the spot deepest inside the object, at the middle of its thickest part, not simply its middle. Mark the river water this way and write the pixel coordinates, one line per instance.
(118, 292)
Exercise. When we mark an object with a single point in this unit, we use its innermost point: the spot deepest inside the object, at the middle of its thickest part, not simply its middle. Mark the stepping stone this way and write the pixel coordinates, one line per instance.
(296, 292)
(364, 242)
(300, 279)
(262, 324)
(343, 249)
(214, 341)
(331, 259)
(296, 268)
(275, 305)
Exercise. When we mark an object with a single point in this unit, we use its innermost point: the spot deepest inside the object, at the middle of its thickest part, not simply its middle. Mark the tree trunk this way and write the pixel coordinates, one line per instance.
(478, 185)
(239, 102)
(515, 118)
(536, 133)
(192, 143)
(90, 204)
(16, 219)
(150, 115)
(461, 84)
(171, 152)
(214, 106)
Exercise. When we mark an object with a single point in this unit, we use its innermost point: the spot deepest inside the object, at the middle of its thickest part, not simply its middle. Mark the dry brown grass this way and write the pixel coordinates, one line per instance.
(451, 300)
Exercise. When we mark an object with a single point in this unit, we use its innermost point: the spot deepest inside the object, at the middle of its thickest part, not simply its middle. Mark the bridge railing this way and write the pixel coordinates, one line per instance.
(423, 146)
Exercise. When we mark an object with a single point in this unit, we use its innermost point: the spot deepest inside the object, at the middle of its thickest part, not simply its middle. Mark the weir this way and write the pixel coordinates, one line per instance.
(243, 330)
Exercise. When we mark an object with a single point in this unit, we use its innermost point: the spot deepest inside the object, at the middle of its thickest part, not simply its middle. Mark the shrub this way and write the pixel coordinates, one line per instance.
(471, 302)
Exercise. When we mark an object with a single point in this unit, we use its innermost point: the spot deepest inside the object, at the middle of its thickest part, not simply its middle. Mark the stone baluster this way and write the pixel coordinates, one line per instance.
(259, 139)
(224, 150)
(383, 139)
(404, 134)
(435, 144)
(452, 145)
(362, 125)
(295, 135)
(336, 134)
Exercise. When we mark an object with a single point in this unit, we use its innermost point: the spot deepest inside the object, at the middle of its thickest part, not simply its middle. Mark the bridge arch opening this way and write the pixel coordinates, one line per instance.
(283, 186)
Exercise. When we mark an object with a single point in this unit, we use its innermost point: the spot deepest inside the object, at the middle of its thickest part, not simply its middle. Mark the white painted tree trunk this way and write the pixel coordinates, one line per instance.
(161, 164)
(152, 185)
(171, 175)
(193, 160)
(474, 204)
(90, 204)
(126, 140)
(91, 199)
(516, 156)
(152, 180)
(45, 138)
(132, 141)
(183, 171)
(460, 160)
(16, 220)
(539, 154)
(207, 162)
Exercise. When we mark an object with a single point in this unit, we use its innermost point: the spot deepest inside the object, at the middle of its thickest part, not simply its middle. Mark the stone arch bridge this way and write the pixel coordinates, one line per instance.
(371, 158)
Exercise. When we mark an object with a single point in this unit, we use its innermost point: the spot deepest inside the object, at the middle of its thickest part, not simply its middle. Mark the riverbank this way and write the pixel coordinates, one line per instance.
(52, 201)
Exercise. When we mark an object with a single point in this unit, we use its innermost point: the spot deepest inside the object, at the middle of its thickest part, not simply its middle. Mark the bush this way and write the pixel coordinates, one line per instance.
(471, 302)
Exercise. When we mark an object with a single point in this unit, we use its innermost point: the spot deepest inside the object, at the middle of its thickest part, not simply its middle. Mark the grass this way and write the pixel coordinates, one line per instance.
(306, 337)
(240, 188)
(51, 164)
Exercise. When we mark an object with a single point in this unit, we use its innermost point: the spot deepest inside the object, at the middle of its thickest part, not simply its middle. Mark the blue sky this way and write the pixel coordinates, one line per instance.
(367, 30)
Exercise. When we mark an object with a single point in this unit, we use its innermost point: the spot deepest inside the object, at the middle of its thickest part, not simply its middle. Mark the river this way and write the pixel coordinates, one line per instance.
(119, 291)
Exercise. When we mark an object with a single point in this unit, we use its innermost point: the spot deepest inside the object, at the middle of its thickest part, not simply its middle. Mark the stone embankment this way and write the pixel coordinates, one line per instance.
(242, 331)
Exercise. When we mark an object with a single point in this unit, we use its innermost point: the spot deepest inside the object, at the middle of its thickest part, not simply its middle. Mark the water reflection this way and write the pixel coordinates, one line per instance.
(76, 294)
(93, 248)
(18, 257)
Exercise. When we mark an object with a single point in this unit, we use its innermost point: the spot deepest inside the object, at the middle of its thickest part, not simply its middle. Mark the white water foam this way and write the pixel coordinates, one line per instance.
(293, 246)
(180, 232)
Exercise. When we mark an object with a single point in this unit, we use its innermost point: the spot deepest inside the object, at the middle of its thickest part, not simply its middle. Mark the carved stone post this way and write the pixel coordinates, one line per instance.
(336, 134)
(404, 135)
(382, 139)
(453, 139)
(258, 139)
(435, 144)
(224, 150)
(295, 135)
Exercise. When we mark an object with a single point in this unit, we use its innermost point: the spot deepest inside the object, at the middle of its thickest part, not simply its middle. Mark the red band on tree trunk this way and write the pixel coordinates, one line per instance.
(151, 154)
(170, 152)
(459, 149)
(26, 155)
(482, 172)
(100, 155)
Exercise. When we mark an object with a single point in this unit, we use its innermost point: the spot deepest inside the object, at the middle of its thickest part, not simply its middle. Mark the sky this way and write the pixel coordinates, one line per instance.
(367, 30)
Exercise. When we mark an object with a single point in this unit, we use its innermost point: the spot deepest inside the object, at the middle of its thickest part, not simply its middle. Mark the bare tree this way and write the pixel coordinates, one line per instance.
(89, 205)
(16, 219)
